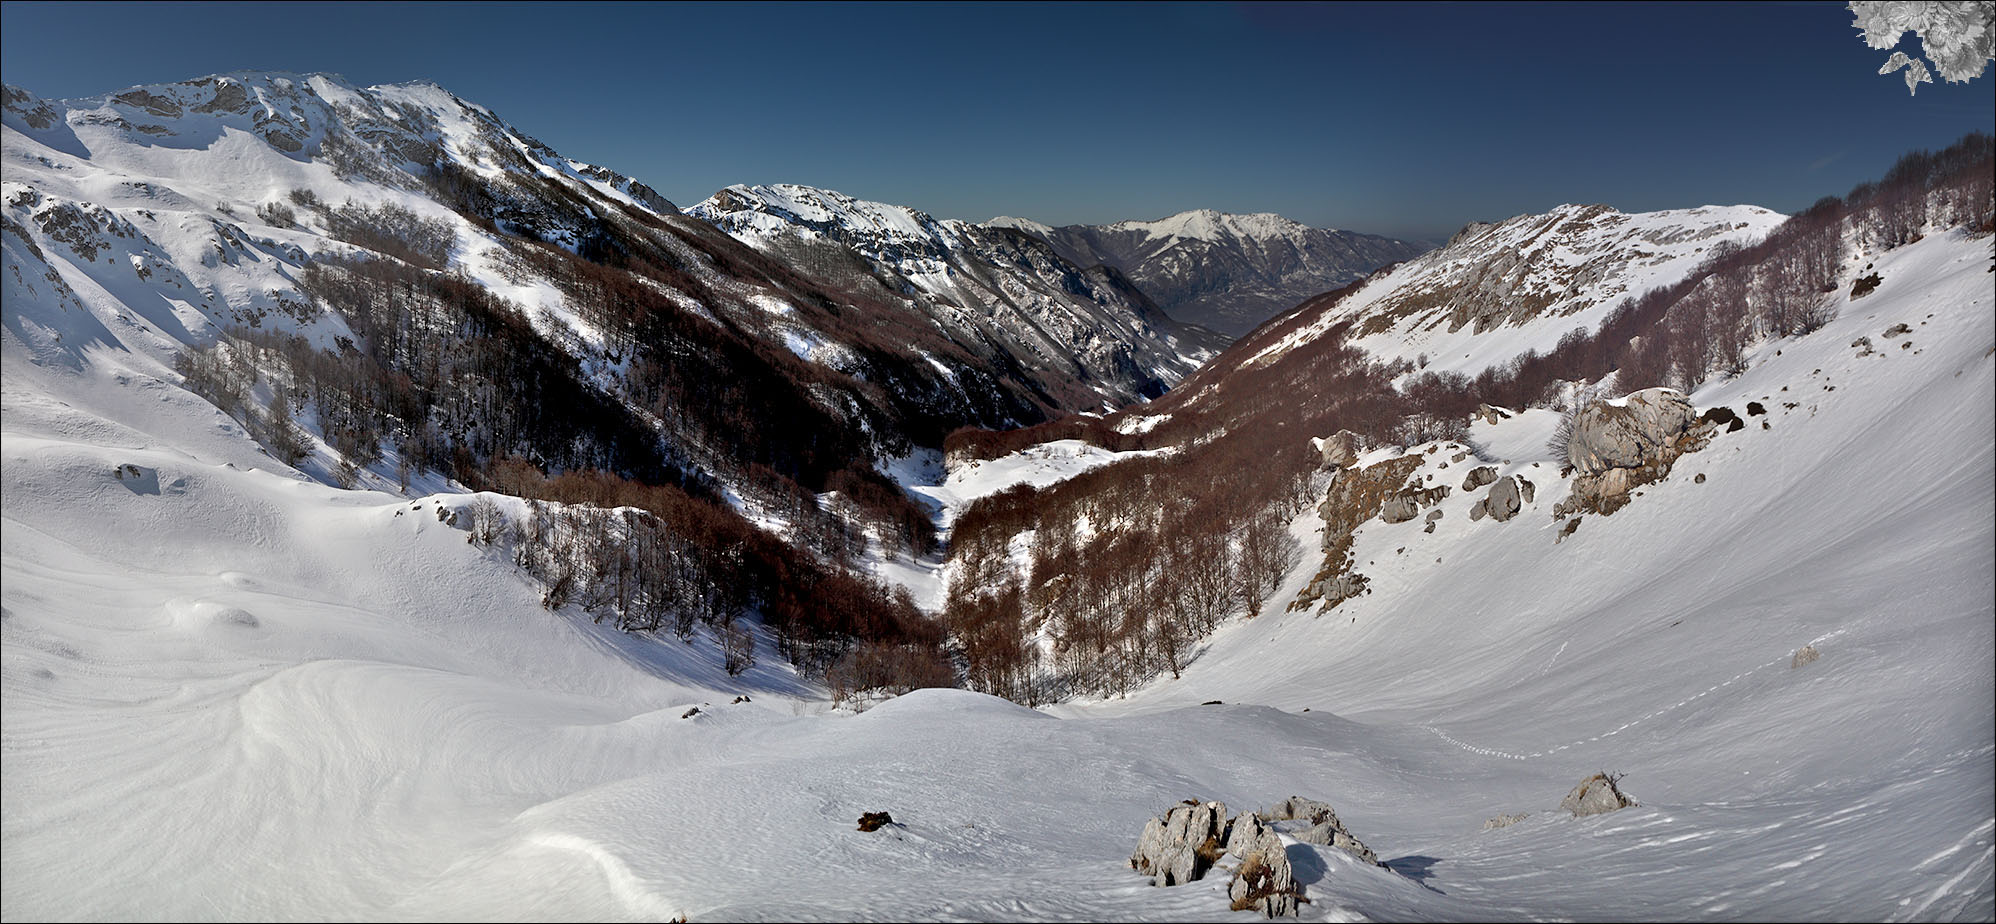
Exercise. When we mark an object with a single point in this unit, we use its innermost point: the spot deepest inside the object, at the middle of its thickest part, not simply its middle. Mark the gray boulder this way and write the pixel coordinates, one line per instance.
(1324, 828)
(1503, 503)
(1264, 880)
(1630, 434)
(1595, 795)
(1479, 476)
(1180, 847)
(1399, 509)
(1339, 449)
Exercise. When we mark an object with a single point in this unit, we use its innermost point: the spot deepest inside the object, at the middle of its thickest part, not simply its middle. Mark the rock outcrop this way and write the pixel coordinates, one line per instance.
(1354, 496)
(1595, 795)
(1324, 827)
(1264, 881)
(1619, 446)
(1184, 844)
(1339, 449)
(1479, 476)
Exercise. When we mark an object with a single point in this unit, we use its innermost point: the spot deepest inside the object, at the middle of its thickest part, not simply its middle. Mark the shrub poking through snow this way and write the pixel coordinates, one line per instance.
(874, 821)
(1595, 795)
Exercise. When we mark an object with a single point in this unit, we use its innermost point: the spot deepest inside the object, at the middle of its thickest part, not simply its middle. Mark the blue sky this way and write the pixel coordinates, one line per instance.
(1404, 119)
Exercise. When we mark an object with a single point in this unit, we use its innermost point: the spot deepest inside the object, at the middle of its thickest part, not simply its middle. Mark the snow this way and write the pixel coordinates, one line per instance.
(1587, 259)
(231, 692)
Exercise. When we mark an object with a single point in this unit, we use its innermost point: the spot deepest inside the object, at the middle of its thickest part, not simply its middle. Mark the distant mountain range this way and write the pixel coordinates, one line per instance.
(1224, 271)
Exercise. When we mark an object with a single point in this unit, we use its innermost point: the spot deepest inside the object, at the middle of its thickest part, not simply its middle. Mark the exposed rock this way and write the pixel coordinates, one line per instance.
(1627, 435)
(1723, 416)
(1755, 408)
(1263, 881)
(1180, 847)
(1526, 489)
(1478, 509)
(1865, 285)
(872, 821)
(1324, 828)
(1595, 795)
(1897, 330)
(1505, 821)
(1863, 345)
(1434, 515)
(1479, 476)
(1700, 479)
(1490, 414)
(1355, 495)
(1571, 526)
(1503, 503)
(1339, 449)
(1807, 654)
(1617, 448)
(1399, 509)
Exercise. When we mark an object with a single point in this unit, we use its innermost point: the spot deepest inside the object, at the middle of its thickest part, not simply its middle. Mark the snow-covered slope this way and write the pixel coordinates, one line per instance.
(229, 693)
(1011, 288)
(1224, 271)
(1497, 290)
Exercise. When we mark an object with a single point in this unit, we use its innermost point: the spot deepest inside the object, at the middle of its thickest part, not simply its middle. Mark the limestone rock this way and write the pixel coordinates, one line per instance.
(1503, 502)
(1609, 436)
(1339, 449)
(1595, 795)
(1180, 847)
(1399, 509)
(1479, 476)
(1324, 827)
(1264, 881)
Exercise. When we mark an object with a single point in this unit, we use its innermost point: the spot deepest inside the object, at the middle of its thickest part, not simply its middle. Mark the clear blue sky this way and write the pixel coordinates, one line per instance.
(1404, 119)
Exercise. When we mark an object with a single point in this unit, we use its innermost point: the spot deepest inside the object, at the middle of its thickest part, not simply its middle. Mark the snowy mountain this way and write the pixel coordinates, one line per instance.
(1223, 271)
(1497, 290)
(232, 690)
(1090, 324)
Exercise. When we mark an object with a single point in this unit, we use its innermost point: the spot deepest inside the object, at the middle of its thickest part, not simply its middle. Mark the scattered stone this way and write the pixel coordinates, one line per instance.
(1491, 414)
(1723, 416)
(873, 821)
(1505, 821)
(1865, 285)
(1755, 408)
(1479, 476)
(1477, 510)
(1212, 702)
(1595, 795)
(1897, 329)
(739, 700)
(1568, 530)
(1700, 479)
(1807, 654)
(1525, 488)
(1398, 509)
(690, 713)
(1434, 515)
(1863, 345)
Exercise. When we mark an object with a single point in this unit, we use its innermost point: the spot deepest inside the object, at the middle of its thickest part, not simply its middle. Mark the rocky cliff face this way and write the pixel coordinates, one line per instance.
(1223, 271)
